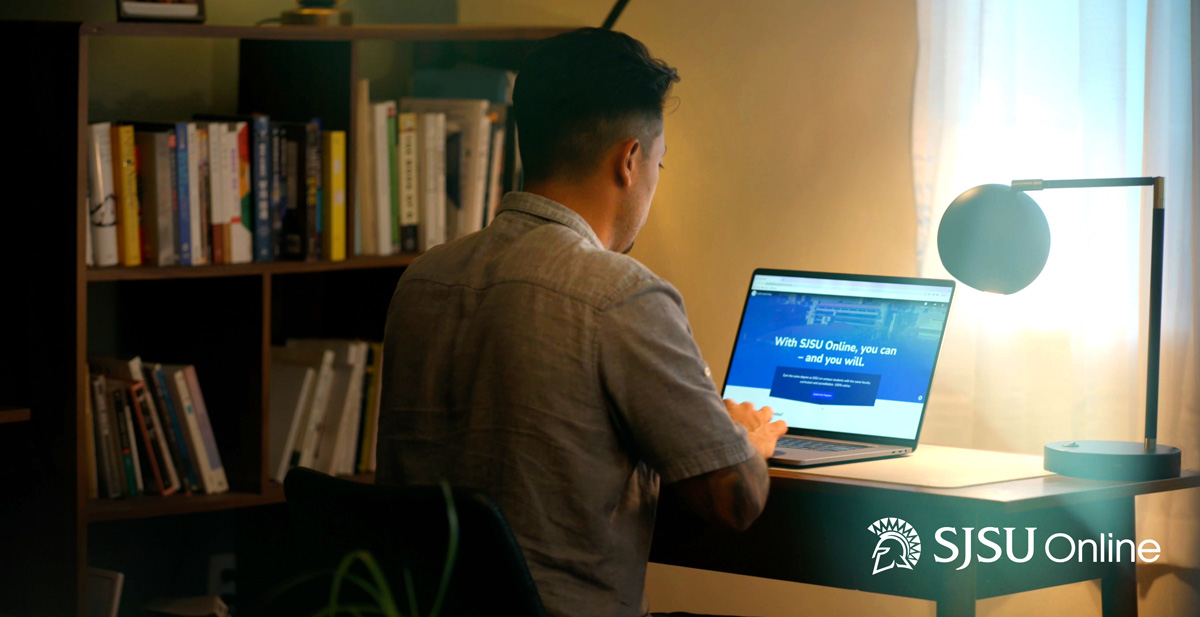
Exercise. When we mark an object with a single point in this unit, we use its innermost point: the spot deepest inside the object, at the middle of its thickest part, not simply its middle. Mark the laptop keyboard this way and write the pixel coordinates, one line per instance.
(796, 443)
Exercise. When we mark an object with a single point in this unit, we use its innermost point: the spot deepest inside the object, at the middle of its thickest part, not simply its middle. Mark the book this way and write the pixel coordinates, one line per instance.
(183, 192)
(291, 391)
(383, 116)
(308, 440)
(365, 239)
(334, 162)
(431, 179)
(129, 244)
(242, 218)
(124, 425)
(103, 592)
(336, 451)
(278, 186)
(409, 210)
(302, 169)
(203, 184)
(147, 442)
(234, 189)
(109, 460)
(174, 427)
(313, 189)
(195, 226)
(370, 424)
(178, 388)
(218, 185)
(470, 116)
(260, 172)
(216, 470)
(102, 202)
(156, 193)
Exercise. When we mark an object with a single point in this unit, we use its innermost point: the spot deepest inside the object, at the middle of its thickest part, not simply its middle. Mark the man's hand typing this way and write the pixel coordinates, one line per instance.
(762, 432)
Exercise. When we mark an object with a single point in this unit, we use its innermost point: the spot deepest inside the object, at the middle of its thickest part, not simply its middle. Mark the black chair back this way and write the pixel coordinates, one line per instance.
(407, 528)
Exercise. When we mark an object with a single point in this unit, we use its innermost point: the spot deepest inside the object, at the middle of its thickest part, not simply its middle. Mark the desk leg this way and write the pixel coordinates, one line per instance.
(1118, 588)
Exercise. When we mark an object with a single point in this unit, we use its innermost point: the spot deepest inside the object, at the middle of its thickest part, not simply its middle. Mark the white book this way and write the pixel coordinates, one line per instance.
(102, 201)
(431, 179)
(471, 115)
(193, 167)
(406, 160)
(345, 396)
(233, 190)
(177, 384)
(241, 236)
(314, 422)
(218, 169)
(366, 238)
(291, 390)
(380, 113)
(103, 592)
(217, 470)
(354, 400)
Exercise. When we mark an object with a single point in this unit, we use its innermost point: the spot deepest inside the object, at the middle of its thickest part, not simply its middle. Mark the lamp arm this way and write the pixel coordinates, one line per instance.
(1156, 278)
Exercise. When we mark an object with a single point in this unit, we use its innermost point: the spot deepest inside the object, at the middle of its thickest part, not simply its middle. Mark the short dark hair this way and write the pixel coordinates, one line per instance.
(579, 93)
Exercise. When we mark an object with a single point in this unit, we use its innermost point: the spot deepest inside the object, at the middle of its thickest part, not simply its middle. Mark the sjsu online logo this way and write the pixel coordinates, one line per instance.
(899, 546)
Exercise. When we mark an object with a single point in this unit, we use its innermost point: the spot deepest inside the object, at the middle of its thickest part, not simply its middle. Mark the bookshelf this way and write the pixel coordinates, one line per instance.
(223, 319)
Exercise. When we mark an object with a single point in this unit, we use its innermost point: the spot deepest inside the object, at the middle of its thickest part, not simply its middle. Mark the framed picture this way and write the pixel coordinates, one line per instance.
(161, 10)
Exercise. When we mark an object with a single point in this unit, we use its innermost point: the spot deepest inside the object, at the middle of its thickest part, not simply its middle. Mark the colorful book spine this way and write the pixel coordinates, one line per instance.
(278, 186)
(102, 204)
(177, 382)
(312, 183)
(218, 170)
(183, 232)
(393, 170)
(334, 239)
(241, 225)
(129, 244)
(153, 473)
(125, 438)
(409, 210)
(175, 433)
(261, 143)
(295, 191)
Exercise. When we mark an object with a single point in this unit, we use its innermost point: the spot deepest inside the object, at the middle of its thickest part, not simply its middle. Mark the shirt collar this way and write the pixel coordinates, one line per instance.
(550, 210)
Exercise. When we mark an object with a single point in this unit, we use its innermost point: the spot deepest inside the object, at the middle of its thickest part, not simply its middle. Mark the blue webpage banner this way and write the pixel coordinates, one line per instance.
(828, 387)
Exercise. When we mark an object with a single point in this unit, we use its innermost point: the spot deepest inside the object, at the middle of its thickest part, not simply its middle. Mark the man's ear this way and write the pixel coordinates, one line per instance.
(629, 152)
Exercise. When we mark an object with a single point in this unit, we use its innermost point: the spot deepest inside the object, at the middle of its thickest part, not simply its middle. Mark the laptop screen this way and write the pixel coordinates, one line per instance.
(840, 354)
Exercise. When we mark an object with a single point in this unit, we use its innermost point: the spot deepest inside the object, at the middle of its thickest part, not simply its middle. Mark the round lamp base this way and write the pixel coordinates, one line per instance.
(316, 17)
(1111, 460)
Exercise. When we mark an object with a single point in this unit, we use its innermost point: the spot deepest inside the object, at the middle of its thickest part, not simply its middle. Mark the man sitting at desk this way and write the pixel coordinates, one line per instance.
(537, 362)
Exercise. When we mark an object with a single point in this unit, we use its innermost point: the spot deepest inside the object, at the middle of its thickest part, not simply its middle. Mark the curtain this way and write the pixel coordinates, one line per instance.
(1012, 89)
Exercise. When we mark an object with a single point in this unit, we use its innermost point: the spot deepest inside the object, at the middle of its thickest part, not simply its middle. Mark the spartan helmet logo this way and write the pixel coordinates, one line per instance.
(899, 545)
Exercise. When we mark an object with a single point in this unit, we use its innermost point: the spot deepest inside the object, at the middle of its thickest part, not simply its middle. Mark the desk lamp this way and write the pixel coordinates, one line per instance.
(995, 238)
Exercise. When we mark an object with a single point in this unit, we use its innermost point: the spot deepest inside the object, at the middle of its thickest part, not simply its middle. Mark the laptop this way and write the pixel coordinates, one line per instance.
(845, 359)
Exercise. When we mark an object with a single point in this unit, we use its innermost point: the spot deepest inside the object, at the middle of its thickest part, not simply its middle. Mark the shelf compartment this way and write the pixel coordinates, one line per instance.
(146, 273)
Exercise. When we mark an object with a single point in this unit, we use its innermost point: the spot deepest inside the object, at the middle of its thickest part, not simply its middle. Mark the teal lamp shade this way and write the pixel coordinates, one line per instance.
(994, 238)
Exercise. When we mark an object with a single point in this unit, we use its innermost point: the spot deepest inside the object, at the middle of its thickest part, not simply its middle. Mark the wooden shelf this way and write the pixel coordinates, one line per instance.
(119, 273)
(148, 506)
(10, 414)
(390, 32)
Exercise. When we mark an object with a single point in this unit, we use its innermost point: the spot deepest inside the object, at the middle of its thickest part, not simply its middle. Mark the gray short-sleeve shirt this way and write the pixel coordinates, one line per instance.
(560, 378)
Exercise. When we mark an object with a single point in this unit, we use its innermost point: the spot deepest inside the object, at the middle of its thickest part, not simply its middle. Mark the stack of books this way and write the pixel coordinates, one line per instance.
(150, 431)
(241, 189)
(324, 406)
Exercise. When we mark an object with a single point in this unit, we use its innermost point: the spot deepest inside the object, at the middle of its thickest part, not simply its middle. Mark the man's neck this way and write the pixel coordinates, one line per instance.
(586, 200)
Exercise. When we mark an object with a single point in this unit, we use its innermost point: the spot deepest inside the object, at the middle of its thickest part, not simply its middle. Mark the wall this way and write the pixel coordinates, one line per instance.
(789, 148)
